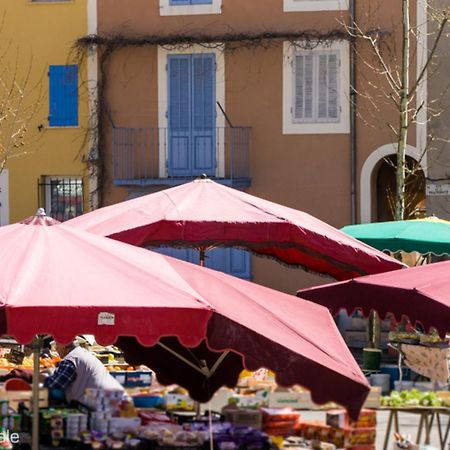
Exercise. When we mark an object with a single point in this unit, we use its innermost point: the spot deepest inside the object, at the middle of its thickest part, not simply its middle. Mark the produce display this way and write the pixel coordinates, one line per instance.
(411, 398)
(405, 337)
(414, 338)
(433, 340)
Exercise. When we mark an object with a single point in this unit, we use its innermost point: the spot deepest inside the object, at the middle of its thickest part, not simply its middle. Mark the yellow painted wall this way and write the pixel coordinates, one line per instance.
(42, 34)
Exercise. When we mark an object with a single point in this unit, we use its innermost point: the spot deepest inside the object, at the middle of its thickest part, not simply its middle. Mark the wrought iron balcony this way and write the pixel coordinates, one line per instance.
(164, 156)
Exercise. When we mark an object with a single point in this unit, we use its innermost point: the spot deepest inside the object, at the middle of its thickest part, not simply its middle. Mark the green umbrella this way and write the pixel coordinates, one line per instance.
(430, 235)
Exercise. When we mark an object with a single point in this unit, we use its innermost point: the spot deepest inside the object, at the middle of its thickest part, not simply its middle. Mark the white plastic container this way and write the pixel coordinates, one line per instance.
(383, 380)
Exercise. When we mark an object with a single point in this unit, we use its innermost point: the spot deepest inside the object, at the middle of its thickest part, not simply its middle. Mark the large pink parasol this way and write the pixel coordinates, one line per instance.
(421, 293)
(61, 281)
(205, 214)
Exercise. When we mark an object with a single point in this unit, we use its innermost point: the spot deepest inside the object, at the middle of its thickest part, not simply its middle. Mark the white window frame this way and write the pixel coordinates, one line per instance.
(294, 126)
(4, 197)
(163, 103)
(315, 5)
(166, 9)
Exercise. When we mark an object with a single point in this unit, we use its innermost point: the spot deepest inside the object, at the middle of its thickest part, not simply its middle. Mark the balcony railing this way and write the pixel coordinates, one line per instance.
(164, 156)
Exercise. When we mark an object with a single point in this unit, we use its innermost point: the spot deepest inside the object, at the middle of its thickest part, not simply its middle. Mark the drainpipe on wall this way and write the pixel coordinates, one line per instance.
(92, 74)
(353, 99)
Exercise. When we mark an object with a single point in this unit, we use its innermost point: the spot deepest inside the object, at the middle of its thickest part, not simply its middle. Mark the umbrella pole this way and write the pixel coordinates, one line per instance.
(35, 400)
(201, 254)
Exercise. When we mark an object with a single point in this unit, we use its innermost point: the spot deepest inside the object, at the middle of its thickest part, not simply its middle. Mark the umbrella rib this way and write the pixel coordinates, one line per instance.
(182, 358)
(218, 362)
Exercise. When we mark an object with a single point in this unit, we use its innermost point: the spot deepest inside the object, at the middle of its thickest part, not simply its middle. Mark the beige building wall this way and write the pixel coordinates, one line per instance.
(310, 172)
(438, 184)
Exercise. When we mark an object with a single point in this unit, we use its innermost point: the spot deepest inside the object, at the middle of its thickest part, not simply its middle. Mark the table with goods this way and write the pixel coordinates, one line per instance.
(256, 415)
(428, 355)
(149, 416)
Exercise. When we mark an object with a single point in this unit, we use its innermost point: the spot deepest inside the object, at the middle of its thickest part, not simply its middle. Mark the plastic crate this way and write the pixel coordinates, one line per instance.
(243, 417)
(138, 378)
(120, 376)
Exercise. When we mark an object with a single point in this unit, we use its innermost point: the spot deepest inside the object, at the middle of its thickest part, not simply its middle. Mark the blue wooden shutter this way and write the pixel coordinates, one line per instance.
(184, 254)
(63, 96)
(203, 115)
(179, 72)
(232, 261)
(240, 263)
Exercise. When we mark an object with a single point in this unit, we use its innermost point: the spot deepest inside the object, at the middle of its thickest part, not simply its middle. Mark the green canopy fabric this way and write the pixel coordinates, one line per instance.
(430, 235)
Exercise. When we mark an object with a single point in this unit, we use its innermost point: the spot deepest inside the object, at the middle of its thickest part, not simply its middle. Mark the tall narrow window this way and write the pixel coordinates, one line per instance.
(63, 96)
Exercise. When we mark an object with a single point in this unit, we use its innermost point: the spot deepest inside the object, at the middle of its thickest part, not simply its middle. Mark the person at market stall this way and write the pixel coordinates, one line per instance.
(78, 371)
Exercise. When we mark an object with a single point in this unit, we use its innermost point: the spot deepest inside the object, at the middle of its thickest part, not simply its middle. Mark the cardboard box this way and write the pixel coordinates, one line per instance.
(15, 397)
(367, 419)
(373, 400)
(361, 436)
(179, 402)
(124, 423)
(295, 400)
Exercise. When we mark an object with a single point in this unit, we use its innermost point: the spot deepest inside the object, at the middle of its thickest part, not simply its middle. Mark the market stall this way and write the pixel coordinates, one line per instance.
(211, 325)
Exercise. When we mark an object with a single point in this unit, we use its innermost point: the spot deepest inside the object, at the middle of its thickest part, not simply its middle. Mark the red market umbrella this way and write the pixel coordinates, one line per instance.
(421, 293)
(203, 213)
(61, 281)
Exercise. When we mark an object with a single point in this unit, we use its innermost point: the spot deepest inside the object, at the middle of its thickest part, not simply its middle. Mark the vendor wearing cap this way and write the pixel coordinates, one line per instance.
(78, 371)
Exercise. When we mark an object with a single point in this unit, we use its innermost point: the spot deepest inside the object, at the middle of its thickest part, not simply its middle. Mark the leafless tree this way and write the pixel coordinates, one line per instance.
(397, 82)
(20, 103)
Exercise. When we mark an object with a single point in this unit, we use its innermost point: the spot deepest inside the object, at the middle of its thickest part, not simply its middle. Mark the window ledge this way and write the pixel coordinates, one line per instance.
(52, 2)
(62, 127)
(315, 5)
(166, 9)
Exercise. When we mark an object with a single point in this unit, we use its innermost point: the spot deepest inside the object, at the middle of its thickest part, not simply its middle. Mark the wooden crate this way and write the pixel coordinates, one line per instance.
(15, 397)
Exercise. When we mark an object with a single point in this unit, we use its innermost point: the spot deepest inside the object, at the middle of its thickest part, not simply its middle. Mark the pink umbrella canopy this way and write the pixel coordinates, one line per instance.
(61, 281)
(203, 213)
(421, 293)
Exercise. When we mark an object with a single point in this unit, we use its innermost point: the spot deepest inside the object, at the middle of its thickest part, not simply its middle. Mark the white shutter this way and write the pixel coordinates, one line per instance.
(303, 94)
(328, 87)
(309, 86)
(322, 94)
(299, 94)
(316, 87)
(333, 87)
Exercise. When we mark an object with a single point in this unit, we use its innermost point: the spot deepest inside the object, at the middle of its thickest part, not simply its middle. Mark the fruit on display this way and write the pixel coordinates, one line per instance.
(433, 339)
(46, 363)
(404, 336)
(411, 398)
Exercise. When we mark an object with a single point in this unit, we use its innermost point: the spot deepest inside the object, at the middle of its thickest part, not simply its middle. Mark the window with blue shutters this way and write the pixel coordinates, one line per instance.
(63, 96)
(232, 261)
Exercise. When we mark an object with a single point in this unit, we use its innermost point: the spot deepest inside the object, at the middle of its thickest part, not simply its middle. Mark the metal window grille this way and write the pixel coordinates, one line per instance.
(62, 198)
